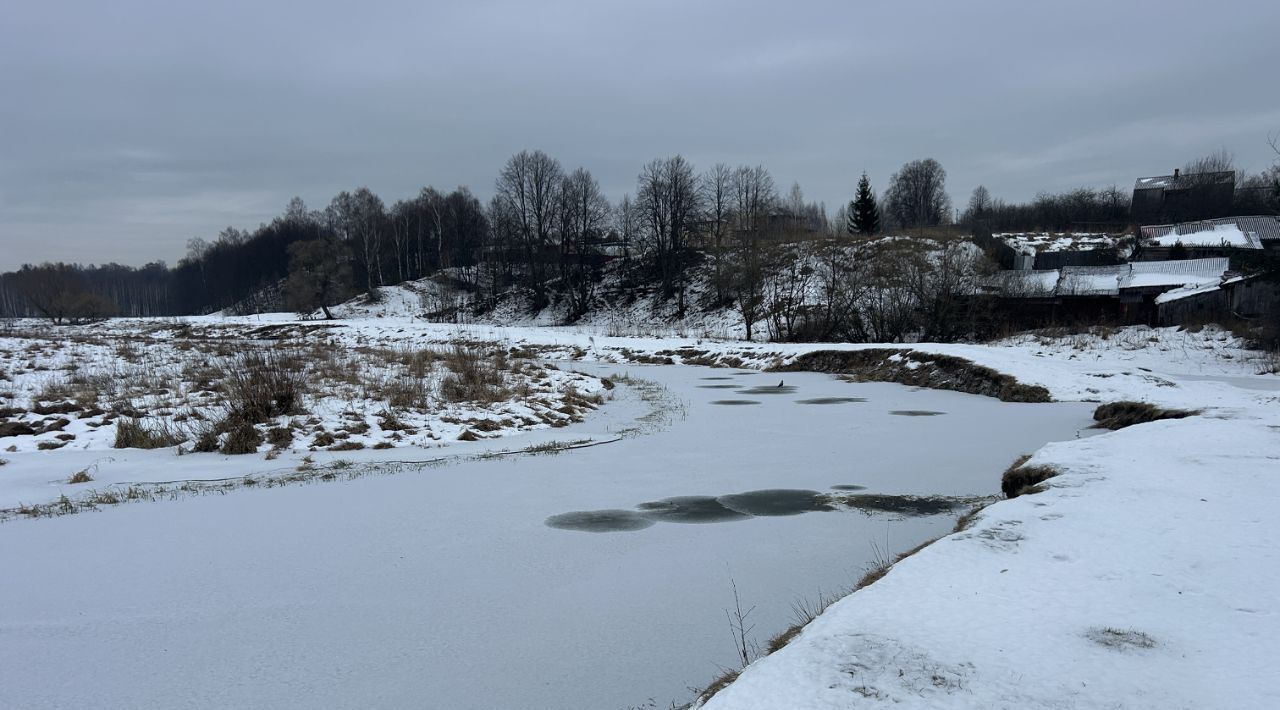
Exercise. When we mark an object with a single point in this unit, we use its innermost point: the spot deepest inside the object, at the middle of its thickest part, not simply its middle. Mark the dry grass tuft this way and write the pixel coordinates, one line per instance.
(279, 437)
(1118, 415)
(473, 377)
(1020, 479)
(133, 434)
(719, 684)
(242, 438)
(262, 385)
(964, 521)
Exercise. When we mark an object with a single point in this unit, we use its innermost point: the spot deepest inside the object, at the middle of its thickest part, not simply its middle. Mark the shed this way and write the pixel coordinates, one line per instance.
(1180, 198)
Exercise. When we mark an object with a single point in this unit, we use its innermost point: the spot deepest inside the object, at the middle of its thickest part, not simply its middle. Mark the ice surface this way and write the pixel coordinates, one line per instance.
(444, 588)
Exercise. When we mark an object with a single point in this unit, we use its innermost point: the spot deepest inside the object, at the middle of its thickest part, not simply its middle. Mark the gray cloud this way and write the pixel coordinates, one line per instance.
(130, 127)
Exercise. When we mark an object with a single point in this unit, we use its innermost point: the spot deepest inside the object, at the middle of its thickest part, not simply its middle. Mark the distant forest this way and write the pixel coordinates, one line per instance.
(548, 229)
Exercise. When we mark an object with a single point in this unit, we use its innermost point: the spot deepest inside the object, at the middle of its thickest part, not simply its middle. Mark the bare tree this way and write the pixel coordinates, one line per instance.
(402, 217)
(917, 195)
(370, 221)
(754, 197)
(747, 282)
(59, 292)
(584, 216)
(888, 305)
(670, 203)
(504, 243)
(717, 195)
(979, 205)
(795, 200)
(529, 185)
(944, 282)
(359, 219)
(465, 228)
(1220, 160)
(296, 211)
(787, 295)
(626, 223)
(841, 285)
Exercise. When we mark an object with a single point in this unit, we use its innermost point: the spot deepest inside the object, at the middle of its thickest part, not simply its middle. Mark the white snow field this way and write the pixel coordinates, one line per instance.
(1145, 576)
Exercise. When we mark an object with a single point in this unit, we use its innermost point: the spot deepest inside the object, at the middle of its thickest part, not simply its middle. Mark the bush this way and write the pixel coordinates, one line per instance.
(206, 441)
(133, 434)
(280, 437)
(918, 368)
(241, 438)
(323, 438)
(262, 385)
(1019, 477)
(1118, 415)
(472, 377)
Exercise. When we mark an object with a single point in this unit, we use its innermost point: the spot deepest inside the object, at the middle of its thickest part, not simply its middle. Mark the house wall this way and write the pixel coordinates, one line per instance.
(1200, 308)
(1163, 253)
(1183, 204)
(1077, 257)
(1254, 297)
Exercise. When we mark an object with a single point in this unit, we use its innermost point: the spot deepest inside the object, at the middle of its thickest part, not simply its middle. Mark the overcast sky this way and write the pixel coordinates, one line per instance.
(129, 127)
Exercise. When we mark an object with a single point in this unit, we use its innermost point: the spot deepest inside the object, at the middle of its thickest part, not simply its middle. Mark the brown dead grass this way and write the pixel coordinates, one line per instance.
(1021, 479)
(1118, 415)
(133, 434)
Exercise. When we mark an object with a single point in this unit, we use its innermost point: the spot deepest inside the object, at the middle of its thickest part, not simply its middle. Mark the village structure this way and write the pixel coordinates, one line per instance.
(1177, 269)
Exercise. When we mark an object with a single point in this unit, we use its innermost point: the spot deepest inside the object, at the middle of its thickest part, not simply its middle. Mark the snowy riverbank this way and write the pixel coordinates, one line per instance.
(1142, 578)
(1145, 576)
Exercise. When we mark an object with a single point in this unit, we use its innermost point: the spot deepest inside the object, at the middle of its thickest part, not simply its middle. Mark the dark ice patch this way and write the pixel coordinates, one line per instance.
(776, 501)
(769, 389)
(831, 400)
(901, 505)
(732, 402)
(690, 509)
(599, 521)
(915, 413)
(848, 487)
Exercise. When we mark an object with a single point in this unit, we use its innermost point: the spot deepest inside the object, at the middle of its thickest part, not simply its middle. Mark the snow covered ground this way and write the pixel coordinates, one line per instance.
(68, 393)
(1146, 576)
(1143, 577)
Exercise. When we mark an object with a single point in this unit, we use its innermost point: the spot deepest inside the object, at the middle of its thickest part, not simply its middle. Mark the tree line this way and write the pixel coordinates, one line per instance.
(1109, 209)
(549, 230)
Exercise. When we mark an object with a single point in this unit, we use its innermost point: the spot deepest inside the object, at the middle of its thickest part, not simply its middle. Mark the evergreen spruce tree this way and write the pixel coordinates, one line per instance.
(864, 213)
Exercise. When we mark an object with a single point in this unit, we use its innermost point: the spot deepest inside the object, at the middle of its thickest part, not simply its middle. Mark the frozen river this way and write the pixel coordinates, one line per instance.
(447, 587)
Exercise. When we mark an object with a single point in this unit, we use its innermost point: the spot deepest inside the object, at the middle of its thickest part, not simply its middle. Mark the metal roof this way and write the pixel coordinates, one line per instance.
(1214, 266)
(1110, 280)
(1184, 181)
(1264, 227)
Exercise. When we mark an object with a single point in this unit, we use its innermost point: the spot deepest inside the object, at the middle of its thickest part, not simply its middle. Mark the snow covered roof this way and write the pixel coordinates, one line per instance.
(1033, 243)
(1111, 280)
(1184, 181)
(1027, 283)
(1213, 266)
(1091, 280)
(1187, 291)
(1146, 274)
(1225, 235)
(1261, 227)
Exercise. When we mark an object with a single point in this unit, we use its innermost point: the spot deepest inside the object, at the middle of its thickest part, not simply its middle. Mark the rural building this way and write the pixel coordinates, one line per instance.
(1210, 237)
(1045, 250)
(1120, 293)
(1181, 198)
(1235, 297)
